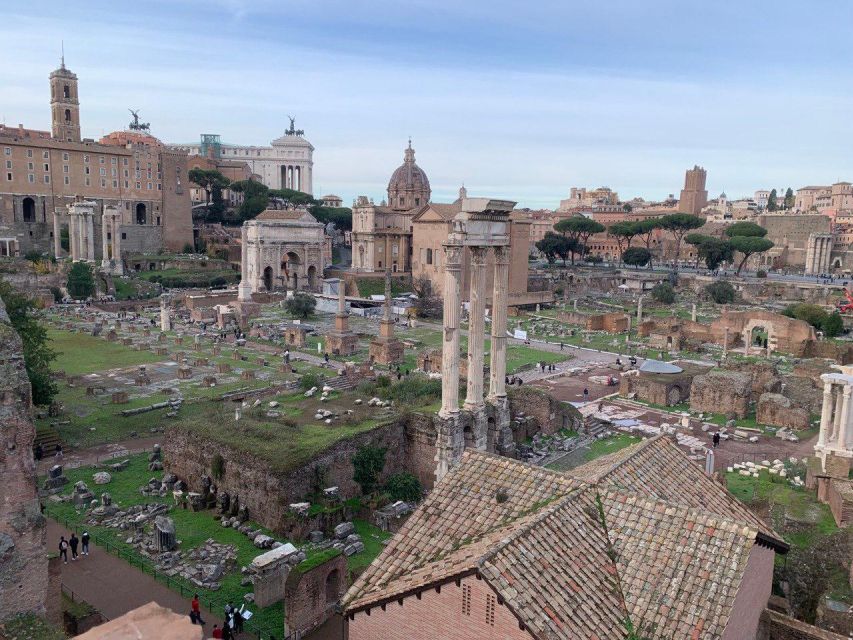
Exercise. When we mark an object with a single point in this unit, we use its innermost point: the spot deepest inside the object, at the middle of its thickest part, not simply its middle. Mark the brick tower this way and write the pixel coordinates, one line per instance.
(64, 104)
(694, 196)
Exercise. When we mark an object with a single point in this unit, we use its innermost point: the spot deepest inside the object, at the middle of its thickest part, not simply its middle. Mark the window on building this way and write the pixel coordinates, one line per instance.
(466, 599)
(30, 166)
(65, 157)
(429, 256)
(103, 171)
(88, 182)
(45, 155)
(112, 160)
(9, 177)
(149, 186)
(66, 91)
(101, 159)
(138, 185)
(65, 168)
(7, 151)
(68, 116)
(29, 153)
(115, 184)
(86, 170)
(46, 167)
(8, 164)
(67, 180)
(47, 179)
(31, 178)
(103, 183)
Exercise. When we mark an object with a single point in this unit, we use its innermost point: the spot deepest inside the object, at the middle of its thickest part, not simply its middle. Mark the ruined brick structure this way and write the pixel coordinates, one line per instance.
(23, 555)
(664, 389)
(776, 410)
(311, 596)
(726, 392)
(616, 322)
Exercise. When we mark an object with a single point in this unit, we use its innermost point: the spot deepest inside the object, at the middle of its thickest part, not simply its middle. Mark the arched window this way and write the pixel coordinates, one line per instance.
(332, 587)
(66, 91)
(141, 214)
(68, 115)
(29, 209)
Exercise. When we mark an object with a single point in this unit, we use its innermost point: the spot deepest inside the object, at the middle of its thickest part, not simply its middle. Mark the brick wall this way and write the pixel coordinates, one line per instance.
(311, 596)
(775, 626)
(266, 493)
(838, 495)
(456, 613)
(550, 415)
(752, 595)
(23, 555)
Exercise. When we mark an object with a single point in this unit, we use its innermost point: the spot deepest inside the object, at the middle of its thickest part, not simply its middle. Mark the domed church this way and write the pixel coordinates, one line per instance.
(409, 185)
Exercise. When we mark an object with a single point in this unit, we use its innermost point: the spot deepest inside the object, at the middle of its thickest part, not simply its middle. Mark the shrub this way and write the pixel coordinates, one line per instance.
(188, 248)
(833, 325)
(814, 314)
(383, 382)
(33, 256)
(367, 464)
(310, 380)
(80, 283)
(218, 281)
(301, 305)
(404, 486)
(636, 256)
(664, 293)
(721, 292)
(761, 273)
(414, 390)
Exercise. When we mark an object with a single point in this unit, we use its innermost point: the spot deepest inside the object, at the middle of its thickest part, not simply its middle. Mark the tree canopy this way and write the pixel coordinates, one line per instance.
(721, 292)
(746, 228)
(678, 224)
(554, 246)
(790, 200)
(624, 232)
(637, 256)
(301, 304)
(748, 246)
(80, 282)
(771, 201)
(213, 182)
(579, 228)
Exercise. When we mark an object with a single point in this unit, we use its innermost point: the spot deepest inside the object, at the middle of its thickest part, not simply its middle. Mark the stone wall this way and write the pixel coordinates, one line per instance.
(840, 498)
(23, 555)
(311, 596)
(420, 445)
(804, 392)
(661, 389)
(765, 375)
(549, 415)
(726, 392)
(268, 494)
(776, 410)
(615, 322)
(776, 626)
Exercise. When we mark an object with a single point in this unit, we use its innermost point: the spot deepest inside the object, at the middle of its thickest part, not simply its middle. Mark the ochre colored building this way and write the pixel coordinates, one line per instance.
(43, 172)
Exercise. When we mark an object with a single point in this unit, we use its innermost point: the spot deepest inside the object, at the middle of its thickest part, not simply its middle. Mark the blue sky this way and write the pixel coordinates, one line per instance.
(520, 100)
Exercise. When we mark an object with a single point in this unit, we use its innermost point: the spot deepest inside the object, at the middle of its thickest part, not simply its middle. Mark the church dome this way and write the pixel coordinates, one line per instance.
(409, 185)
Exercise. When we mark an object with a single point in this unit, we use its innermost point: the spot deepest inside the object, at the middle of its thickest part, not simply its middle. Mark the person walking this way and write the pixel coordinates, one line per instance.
(85, 540)
(73, 542)
(63, 549)
(197, 609)
(58, 453)
(39, 452)
(716, 439)
(238, 622)
(585, 394)
(227, 634)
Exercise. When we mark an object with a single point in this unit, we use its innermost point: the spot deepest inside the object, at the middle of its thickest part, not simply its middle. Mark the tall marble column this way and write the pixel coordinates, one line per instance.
(450, 343)
(57, 234)
(476, 329)
(90, 237)
(105, 239)
(73, 236)
(497, 367)
(244, 291)
(825, 414)
(844, 418)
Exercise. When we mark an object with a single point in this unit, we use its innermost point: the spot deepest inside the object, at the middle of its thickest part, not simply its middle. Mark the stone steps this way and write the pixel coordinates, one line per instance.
(48, 438)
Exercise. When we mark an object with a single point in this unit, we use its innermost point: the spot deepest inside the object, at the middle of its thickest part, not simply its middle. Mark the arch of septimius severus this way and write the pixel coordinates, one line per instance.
(481, 423)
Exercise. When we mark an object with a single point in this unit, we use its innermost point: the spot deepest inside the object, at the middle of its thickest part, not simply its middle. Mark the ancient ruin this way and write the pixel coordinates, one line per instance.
(385, 348)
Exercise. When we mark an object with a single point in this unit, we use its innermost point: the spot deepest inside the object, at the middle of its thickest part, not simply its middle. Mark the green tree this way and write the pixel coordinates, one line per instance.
(553, 245)
(255, 198)
(771, 201)
(663, 293)
(37, 353)
(579, 228)
(636, 256)
(746, 229)
(749, 246)
(721, 292)
(695, 240)
(301, 304)
(716, 251)
(623, 232)
(213, 182)
(814, 314)
(790, 200)
(367, 464)
(404, 486)
(646, 231)
(80, 283)
(678, 224)
(833, 325)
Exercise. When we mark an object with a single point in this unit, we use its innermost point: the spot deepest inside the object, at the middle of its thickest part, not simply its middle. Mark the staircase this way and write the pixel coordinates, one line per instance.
(595, 426)
(48, 438)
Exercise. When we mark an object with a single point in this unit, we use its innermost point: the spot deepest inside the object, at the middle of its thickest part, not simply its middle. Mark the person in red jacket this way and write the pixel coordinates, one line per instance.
(217, 632)
(197, 609)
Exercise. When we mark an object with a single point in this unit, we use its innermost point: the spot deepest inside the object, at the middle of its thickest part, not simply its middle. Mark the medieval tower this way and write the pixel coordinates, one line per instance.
(64, 105)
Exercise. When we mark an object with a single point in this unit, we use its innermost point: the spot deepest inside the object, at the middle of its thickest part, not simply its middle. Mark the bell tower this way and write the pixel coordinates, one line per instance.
(64, 104)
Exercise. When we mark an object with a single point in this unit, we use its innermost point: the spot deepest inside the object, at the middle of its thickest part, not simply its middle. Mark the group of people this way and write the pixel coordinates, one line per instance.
(547, 367)
(232, 626)
(73, 543)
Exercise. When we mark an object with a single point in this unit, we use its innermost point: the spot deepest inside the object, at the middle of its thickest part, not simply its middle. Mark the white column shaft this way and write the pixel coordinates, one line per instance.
(497, 367)
(450, 339)
(476, 328)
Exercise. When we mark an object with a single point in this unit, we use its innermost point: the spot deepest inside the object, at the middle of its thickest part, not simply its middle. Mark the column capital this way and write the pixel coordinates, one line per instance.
(478, 256)
(502, 254)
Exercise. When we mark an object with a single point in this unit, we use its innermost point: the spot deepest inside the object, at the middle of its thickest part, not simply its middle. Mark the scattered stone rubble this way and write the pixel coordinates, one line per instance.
(776, 468)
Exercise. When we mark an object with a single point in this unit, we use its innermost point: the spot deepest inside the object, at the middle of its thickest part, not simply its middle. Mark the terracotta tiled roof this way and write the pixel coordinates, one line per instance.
(483, 495)
(679, 568)
(285, 214)
(658, 469)
(575, 557)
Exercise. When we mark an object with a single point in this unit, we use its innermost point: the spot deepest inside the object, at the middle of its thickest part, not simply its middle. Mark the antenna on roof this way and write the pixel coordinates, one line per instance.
(62, 59)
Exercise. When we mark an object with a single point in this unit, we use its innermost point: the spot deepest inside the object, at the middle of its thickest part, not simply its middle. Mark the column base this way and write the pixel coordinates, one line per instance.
(501, 438)
(449, 444)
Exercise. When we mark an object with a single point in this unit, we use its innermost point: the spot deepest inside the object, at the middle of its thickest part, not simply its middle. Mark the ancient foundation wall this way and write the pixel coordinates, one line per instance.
(420, 445)
(726, 392)
(311, 596)
(776, 626)
(549, 415)
(268, 494)
(840, 498)
(23, 554)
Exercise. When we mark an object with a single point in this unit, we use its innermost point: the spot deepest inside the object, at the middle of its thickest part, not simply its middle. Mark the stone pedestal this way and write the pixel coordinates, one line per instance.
(450, 443)
(385, 348)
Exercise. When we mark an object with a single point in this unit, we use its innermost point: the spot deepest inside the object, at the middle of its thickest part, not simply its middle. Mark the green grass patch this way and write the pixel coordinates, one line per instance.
(609, 445)
(29, 627)
(80, 353)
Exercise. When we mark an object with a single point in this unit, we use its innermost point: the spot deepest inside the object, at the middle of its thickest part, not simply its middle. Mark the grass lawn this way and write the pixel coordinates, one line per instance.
(609, 445)
(80, 353)
(29, 627)
(193, 529)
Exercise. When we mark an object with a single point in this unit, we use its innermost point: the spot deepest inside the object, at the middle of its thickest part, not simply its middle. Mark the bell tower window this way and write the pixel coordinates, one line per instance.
(66, 91)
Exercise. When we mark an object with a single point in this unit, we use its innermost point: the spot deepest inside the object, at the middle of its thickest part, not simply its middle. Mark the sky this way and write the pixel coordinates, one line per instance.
(517, 100)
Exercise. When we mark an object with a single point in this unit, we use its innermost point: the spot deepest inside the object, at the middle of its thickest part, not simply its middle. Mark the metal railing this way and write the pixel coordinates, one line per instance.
(210, 602)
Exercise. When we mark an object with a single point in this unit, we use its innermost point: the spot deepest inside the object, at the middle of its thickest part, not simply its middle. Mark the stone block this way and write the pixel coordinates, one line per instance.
(776, 410)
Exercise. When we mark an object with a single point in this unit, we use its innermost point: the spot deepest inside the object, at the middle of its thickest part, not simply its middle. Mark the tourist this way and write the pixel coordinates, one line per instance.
(585, 394)
(228, 609)
(238, 621)
(226, 631)
(63, 549)
(39, 452)
(326, 357)
(58, 453)
(193, 617)
(716, 439)
(74, 541)
(85, 540)
(287, 356)
(217, 632)
(561, 346)
(197, 609)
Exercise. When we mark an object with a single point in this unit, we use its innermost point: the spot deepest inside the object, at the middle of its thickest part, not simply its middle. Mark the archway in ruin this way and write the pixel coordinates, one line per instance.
(268, 278)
